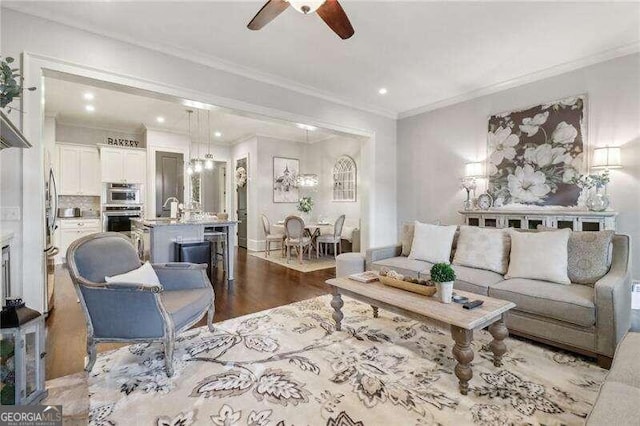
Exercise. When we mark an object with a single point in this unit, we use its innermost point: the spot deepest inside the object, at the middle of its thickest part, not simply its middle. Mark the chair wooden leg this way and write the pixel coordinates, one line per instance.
(266, 244)
(317, 250)
(91, 354)
(169, 341)
(210, 314)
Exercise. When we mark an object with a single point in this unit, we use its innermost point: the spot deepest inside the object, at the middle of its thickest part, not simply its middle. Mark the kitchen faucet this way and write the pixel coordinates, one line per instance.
(175, 212)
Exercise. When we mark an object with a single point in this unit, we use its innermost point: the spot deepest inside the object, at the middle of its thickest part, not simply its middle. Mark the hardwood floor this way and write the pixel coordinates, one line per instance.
(259, 285)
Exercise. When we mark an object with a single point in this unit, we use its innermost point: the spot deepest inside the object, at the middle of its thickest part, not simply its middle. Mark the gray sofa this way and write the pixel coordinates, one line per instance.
(619, 397)
(585, 319)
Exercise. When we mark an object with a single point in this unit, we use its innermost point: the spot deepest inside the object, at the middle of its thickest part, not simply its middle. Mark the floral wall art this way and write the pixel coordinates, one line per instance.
(534, 154)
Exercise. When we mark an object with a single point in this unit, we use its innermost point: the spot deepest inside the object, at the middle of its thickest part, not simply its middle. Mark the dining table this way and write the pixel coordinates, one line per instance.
(314, 230)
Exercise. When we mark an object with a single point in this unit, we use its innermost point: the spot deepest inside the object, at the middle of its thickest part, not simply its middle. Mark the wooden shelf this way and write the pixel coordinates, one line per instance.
(10, 136)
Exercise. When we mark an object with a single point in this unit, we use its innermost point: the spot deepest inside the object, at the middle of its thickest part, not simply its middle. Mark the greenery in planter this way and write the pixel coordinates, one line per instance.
(9, 83)
(442, 273)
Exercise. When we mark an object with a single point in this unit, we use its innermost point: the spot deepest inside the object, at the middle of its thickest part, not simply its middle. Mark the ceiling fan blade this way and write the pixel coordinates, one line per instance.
(268, 13)
(333, 15)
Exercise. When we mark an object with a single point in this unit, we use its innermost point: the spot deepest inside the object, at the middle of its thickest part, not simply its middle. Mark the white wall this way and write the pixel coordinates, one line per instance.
(89, 54)
(433, 147)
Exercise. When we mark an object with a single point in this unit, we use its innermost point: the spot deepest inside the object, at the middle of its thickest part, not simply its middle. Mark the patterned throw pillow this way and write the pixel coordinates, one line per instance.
(483, 248)
(589, 255)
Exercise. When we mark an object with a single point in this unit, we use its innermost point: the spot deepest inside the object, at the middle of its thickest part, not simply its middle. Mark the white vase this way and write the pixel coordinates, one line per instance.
(445, 291)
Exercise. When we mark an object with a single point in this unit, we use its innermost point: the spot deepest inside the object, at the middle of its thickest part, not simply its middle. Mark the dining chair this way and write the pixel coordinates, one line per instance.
(269, 236)
(134, 312)
(294, 231)
(335, 238)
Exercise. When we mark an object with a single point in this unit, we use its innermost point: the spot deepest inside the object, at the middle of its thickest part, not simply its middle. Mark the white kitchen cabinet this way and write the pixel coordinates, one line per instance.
(79, 170)
(70, 230)
(122, 165)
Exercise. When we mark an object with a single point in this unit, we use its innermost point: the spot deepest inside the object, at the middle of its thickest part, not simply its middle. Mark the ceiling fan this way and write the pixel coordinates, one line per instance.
(329, 10)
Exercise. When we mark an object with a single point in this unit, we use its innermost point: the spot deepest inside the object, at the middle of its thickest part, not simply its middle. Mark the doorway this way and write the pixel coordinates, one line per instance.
(169, 180)
(242, 207)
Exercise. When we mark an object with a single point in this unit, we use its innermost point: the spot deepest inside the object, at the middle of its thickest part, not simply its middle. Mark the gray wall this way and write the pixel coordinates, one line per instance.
(433, 147)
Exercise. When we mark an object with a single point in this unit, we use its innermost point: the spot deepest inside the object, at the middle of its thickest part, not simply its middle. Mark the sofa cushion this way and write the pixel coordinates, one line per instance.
(572, 303)
(432, 243)
(539, 256)
(475, 280)
(186, 306)
(403, 265)
(617, 404)
(483, 248)
(625, 368)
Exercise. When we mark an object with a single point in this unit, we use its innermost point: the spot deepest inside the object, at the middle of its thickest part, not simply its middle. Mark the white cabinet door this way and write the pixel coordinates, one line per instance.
(135, 166)
(89, 171)
(69, 170)
(112, 165)
(67, 236)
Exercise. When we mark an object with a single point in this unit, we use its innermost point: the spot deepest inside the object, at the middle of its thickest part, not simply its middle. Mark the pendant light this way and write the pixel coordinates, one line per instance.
(189, 166)
(197, 162)
(208, 159)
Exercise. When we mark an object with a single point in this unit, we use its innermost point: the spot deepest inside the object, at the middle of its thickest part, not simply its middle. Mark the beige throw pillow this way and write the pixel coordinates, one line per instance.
(406, 237)
(483, 248)
(432, 243)
(539, 256)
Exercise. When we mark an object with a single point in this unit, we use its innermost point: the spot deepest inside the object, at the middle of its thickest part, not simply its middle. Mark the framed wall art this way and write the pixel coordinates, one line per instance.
(285, 173)
(534, 154)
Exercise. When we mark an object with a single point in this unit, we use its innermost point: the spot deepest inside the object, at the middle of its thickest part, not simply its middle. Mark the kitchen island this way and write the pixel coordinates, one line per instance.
(164, 232)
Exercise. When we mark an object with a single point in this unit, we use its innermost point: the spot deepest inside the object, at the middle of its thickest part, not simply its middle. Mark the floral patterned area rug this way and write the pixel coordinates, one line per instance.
(288, 366)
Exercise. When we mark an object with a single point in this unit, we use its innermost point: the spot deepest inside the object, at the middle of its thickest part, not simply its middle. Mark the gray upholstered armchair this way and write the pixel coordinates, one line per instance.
(127, 312)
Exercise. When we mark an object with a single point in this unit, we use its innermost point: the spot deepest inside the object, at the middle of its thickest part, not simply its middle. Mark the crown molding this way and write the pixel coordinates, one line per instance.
(607, 55)
(214, 62)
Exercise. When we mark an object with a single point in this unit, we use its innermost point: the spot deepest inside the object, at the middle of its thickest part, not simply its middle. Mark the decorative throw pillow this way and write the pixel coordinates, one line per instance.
(406, 237)
(539, 256)
(483, 248)
(589, 255)
(432, 243)
(144, 275)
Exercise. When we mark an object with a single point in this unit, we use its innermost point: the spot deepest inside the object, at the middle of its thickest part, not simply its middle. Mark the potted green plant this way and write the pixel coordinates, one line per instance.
(443, 275)
(10, 83)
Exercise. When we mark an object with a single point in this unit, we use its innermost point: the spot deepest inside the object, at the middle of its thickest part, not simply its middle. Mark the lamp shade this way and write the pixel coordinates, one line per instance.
(606, 158)
(473, 170)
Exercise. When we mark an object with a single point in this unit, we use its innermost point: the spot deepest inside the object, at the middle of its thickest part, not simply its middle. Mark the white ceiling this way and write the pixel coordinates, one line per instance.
(424, 53)
(117, 110)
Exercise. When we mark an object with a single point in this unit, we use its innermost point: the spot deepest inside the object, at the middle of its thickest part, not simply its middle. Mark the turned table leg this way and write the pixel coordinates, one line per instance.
(463, 353)
(375, 311)
(499, 332)
(337, 304)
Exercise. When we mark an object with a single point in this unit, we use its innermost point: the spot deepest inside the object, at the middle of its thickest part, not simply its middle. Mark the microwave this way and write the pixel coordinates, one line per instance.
(123, 193)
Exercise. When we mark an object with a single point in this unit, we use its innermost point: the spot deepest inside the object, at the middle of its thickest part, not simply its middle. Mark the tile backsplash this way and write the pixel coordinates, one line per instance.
(89, 205)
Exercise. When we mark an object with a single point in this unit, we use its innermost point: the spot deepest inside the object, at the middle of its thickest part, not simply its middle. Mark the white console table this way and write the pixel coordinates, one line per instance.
(577, 220)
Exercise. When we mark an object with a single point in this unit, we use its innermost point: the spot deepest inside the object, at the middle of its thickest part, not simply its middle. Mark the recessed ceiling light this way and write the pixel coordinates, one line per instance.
(306, 127)
(160, 119)
(217, 134)
(88, 96)
(382, 91)
(90, 108)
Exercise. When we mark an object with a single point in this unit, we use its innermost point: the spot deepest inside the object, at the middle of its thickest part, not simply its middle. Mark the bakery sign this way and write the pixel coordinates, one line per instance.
(123, 142)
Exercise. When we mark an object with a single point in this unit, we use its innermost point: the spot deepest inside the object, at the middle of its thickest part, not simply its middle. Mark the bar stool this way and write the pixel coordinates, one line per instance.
(217, 239)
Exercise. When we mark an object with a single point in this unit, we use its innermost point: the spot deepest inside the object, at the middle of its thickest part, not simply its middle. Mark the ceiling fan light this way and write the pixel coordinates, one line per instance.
(306, 7)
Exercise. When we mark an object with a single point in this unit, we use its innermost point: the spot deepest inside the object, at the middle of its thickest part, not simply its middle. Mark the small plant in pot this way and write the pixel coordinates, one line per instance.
(443, 275)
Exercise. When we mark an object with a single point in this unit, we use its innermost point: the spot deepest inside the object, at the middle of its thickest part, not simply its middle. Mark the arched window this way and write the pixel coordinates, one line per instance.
(344, 179)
